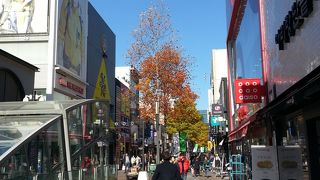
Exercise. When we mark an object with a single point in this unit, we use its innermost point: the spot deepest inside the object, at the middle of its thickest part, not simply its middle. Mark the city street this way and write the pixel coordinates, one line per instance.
(122, 176)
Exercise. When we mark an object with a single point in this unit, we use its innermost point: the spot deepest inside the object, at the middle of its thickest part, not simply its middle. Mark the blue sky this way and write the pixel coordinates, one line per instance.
(201, 26)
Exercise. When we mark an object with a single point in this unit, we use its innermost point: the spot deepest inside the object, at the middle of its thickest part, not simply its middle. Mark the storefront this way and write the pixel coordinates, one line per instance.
(56, 140)
(245, 67)
(290, 41)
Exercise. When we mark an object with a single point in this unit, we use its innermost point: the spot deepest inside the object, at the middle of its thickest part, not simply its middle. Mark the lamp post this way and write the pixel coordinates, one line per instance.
(158, 91)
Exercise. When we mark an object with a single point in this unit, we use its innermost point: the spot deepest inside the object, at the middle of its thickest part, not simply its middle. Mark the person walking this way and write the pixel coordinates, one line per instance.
(184, 165)
(196, 166)
(127, 162)
(166, 170)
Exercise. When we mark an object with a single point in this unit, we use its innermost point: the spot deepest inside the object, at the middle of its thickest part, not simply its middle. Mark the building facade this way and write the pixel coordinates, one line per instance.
(53, 35)
(16, 77)
(276, 42)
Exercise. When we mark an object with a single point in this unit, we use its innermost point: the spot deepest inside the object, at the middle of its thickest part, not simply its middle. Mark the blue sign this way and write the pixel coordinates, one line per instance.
(214, 121)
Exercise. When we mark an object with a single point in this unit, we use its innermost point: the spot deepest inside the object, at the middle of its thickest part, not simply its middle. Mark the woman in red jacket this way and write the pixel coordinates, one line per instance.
(184, 165)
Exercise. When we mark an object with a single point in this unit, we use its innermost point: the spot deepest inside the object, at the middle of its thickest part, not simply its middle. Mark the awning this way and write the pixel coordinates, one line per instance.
(242, 129)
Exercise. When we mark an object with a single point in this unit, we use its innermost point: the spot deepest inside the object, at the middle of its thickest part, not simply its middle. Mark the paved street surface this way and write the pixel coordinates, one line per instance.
(122, 176)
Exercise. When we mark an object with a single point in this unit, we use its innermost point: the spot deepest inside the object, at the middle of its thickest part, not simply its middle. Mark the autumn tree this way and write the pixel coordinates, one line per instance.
(159, 62)
(161, 65)
(186, 118)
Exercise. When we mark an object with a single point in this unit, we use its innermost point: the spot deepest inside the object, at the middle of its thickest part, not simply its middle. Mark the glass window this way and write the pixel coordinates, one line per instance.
(248, 47)
(75, 121)
(41, 156)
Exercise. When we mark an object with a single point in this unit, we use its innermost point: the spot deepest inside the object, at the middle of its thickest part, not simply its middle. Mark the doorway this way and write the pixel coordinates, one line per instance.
(313, 129)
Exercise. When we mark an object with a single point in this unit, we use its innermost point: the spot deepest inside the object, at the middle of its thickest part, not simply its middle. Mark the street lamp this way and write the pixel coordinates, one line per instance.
(158, 91)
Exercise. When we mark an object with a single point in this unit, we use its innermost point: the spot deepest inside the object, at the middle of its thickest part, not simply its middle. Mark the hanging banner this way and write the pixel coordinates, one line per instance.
(248, 91)
(195, 149)
(182, 141)
(210, 145)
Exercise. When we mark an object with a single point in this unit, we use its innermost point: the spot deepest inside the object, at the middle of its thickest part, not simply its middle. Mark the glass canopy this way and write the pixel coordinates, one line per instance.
(16, 129)
(39, 107)
(20, 120)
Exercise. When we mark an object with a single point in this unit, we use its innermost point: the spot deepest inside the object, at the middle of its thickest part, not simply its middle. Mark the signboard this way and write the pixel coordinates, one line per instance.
(264, 162)
(23, 17)
(248, 91)
(101, 90)
(69, 85)
(217, 109)
(214, 121)
(72, 35)
(290, 162)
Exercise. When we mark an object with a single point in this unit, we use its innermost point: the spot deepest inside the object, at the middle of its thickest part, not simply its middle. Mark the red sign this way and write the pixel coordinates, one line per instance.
(70, 85)
(248, 91)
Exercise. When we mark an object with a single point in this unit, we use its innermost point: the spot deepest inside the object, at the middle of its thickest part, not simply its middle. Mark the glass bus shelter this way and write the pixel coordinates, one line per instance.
(56, 140)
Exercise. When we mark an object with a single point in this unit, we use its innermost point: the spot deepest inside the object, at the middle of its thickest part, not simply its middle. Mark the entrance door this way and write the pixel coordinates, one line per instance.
(313, 128)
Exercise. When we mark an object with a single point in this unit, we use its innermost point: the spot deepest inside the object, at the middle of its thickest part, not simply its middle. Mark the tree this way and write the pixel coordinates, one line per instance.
(158, 60)
(161, 65)
(154, 32)
(186, 118)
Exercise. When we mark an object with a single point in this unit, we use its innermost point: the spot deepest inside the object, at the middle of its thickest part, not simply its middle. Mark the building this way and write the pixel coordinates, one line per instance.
(276, 42)
(122, 121)
(58, 43)
(129, 124)
(204, 116)
(217, 107)
(16, 77)
(218, 70)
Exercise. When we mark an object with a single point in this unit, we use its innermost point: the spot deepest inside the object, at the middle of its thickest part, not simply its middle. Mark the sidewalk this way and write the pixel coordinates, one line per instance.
(212, 176)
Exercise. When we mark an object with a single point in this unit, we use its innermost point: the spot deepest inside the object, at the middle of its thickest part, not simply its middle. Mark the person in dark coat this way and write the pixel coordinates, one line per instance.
(197, 166)
(166, 170)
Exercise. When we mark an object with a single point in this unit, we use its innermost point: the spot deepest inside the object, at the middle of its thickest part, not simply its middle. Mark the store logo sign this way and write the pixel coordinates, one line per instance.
(293, 21)
(248, 91)
(217, 109)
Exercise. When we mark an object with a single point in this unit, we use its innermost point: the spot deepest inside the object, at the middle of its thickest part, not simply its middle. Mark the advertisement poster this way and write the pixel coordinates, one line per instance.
(23, 16)
(264, 163)
(72, 34)
(290, 162)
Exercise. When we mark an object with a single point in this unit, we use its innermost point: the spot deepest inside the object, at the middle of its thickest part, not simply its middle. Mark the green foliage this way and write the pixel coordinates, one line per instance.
(186, 118)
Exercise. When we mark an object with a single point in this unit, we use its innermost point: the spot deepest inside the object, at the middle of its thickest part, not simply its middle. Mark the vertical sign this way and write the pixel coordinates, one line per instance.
(248, 91)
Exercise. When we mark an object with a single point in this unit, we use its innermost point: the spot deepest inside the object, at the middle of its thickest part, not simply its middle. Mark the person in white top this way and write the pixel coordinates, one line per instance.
(133, 160)
(138, 161)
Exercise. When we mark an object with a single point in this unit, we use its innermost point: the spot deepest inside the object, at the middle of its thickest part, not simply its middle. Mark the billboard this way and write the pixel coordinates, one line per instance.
(72, 35)
(23, 16)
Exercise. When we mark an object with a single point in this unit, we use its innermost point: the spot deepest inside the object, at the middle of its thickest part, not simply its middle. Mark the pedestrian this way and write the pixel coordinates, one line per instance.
(184, 165)
(205, 165)
(127, 162)
(138, 161)
(197, 166)
(166, 170)
(133, 161)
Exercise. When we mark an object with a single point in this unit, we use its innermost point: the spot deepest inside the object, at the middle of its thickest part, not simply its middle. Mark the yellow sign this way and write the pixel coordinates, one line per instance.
(210, 145)
(102, 87)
